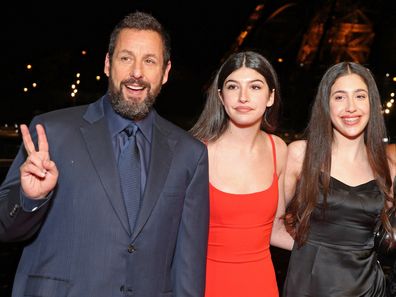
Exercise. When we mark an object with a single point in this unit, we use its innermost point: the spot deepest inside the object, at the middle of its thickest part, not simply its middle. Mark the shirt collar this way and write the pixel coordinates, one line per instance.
(117, 123)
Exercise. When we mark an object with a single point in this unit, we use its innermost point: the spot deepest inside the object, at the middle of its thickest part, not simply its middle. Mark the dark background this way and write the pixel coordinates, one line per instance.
(51, 37)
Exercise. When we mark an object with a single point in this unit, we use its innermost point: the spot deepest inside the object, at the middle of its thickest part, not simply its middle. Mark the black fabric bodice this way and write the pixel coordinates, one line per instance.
(338, 259)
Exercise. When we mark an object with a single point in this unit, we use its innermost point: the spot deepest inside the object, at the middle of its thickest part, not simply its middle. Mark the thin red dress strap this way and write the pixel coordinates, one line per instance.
(273, 152)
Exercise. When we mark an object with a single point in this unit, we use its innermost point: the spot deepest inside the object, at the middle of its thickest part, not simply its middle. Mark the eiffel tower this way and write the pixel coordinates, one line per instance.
(341, 31)
(323, 31)
(303, 38)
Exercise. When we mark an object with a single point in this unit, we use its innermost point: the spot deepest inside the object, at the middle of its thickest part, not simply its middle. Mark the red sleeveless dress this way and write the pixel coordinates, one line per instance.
(239, 261)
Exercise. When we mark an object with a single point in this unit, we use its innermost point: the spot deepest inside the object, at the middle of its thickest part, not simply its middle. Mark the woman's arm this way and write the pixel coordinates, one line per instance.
(279, 236)
(295, 158)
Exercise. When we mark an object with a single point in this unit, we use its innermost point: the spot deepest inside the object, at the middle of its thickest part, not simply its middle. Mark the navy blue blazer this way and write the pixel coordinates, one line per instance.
(80, 242)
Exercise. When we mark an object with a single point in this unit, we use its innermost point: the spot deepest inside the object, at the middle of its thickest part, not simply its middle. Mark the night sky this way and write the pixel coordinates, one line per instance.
(52, 42)
(51, 38)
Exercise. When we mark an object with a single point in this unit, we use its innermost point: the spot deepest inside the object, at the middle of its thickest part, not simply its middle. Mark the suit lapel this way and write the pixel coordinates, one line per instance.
(160, 161)
(97, 138)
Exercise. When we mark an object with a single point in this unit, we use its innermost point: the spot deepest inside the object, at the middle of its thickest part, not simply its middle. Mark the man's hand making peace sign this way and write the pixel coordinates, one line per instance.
(39, 174)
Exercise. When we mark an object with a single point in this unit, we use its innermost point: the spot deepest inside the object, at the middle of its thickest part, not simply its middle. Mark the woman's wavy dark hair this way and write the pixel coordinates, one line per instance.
(319, 136)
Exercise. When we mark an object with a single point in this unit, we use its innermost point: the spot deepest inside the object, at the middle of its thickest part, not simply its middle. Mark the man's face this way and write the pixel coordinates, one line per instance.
(136, 72)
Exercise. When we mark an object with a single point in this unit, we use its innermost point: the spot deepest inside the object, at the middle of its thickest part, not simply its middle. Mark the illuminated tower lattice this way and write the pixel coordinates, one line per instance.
(336, 33)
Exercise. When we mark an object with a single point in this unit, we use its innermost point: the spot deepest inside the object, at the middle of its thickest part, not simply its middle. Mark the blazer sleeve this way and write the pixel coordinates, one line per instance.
(190, 256)
(17, 223)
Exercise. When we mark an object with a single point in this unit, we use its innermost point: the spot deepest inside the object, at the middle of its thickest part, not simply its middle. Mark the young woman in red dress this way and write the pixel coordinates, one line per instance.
(246, 168)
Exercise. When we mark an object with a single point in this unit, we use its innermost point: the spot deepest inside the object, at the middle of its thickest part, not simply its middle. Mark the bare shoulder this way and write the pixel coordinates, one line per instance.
(281, 153)
(391, 153)
(296, 150)
(295, 157)
(294, 164)
(280, 145)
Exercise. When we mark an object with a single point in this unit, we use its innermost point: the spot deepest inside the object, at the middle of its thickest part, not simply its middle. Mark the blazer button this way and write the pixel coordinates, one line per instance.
(14, 210)
(131, 248)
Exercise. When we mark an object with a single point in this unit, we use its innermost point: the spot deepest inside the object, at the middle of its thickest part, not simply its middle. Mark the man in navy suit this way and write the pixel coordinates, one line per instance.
(64, 193)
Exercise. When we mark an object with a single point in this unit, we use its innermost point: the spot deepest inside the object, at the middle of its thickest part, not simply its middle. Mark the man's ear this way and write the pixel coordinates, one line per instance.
(166, 72)
(106, 69)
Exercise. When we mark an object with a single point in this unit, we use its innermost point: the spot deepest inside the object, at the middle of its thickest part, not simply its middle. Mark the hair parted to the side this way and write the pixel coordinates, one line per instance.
(213, 120)
(319, 136)
(145, 22)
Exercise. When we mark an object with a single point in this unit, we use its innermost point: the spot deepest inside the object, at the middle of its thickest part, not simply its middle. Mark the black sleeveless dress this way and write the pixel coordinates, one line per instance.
(338, 259)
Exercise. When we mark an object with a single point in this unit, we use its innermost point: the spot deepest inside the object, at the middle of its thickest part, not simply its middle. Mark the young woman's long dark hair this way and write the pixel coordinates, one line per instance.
(213, 120)
(317, 160)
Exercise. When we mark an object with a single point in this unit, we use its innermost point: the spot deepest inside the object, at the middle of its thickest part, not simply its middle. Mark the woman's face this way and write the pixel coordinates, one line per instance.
(245, 96)
(349, 106)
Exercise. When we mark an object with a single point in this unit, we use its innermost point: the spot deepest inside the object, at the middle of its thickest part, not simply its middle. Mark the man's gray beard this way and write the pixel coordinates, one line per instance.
(131, 109)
